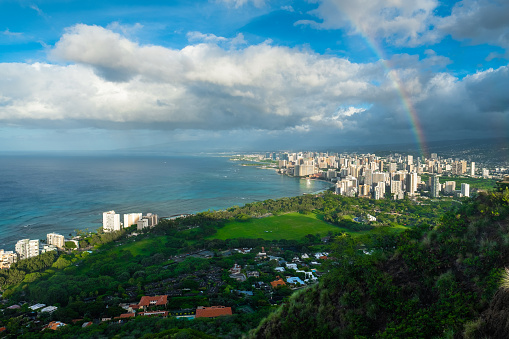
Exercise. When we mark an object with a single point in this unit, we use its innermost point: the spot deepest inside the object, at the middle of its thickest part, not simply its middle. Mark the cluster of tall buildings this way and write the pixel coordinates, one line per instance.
(368, 175)
(111, 221)
(26, 248)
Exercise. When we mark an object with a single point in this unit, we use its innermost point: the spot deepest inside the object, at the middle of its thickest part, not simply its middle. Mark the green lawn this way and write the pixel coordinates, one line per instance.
(290, 226)
(147, 246)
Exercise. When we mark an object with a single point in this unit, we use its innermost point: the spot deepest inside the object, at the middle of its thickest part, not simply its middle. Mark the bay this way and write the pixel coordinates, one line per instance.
(47, 193)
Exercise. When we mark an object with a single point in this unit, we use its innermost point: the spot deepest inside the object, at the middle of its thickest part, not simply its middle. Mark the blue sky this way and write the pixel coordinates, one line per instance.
(251, 73)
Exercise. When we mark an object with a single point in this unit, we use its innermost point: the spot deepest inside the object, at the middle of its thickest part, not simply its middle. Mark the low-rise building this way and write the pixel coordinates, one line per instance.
(212, 312)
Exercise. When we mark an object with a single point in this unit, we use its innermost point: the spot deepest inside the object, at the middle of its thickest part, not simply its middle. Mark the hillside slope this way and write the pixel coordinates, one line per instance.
(425, 283)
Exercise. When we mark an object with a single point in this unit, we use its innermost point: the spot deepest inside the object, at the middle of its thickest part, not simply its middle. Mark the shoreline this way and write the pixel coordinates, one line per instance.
(87, 216)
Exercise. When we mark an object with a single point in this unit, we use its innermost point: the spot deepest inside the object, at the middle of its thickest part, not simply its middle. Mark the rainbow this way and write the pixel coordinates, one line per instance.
(403, 94)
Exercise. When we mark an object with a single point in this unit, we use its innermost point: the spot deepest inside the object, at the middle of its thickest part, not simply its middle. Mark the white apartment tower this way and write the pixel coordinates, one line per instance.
(27, 248)
(472, 168)
(111, 221)
(55, 239)
(465, 190)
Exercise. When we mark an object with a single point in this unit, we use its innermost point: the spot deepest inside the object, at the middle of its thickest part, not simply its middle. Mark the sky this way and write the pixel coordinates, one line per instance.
(251, 74)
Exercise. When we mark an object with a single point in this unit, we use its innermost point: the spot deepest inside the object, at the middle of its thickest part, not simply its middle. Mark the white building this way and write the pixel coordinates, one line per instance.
(465, 190)
(472, 168)
(131, 219)
(7, 258)
(111, 221)
(55, 239)
(27, 248)
(48, 248)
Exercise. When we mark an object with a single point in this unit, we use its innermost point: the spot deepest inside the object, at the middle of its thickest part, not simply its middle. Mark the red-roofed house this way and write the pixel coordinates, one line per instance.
(212, 312)
(158, 300)
(277, 283)
(126, 315)
(54, 325)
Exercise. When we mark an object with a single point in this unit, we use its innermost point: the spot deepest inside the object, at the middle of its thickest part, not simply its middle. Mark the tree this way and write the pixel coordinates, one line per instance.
(69, 245)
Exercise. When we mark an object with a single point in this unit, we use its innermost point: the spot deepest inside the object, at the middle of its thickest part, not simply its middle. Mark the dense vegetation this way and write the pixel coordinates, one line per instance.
(122, 267)
(427, 282)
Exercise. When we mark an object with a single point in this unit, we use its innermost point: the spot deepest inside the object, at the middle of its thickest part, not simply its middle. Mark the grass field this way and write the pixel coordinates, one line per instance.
(142, 247)
(290, 226)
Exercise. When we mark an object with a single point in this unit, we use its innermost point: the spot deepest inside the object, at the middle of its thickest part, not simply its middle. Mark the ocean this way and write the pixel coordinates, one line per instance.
(40, 194)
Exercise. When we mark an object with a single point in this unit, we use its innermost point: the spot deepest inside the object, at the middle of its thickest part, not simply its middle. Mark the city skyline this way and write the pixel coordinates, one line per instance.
(109, 75)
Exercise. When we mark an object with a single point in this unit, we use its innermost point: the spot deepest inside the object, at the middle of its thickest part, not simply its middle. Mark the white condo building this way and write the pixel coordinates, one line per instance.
(55, 239)
(465, 190)
(111, 221)
(27, 248)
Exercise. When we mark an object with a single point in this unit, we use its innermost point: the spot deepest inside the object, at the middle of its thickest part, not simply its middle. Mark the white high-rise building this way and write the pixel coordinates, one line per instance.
(111, 221)
(472, 168)
(27, 248)
(465, 190)
(131, 219)
(410, 159)
(55, 239)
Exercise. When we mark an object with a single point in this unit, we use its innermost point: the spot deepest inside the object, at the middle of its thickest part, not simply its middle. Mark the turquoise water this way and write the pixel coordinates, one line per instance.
(52, 193)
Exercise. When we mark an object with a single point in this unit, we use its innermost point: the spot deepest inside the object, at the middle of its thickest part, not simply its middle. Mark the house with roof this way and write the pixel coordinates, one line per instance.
(146, 302)
(54, 325)
(295, 280)
(212, 312)
(277, 283)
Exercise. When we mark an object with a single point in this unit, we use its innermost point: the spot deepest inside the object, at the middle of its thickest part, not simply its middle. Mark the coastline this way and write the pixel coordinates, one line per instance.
(93, 184)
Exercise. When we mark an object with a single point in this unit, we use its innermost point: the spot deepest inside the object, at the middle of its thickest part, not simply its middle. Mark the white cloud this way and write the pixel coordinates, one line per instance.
(479, 21)
(413, 23)
(105, 80)
(12, 34)
(240, 3)
(197, 36)
(400, 22)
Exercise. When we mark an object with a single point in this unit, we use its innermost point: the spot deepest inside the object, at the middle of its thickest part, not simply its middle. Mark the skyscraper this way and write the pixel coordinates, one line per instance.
(131, 219)
(411, 183)
(27, 248)
(55, 239)
(472, 168)
(465, 190)
(435, 186)
(111, 221)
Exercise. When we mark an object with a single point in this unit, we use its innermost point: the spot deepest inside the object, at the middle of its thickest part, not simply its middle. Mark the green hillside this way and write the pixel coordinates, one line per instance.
(429, 282)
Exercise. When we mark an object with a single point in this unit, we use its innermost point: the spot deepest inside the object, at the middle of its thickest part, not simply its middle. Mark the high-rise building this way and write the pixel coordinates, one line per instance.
(27, 248)
(111, 221)
(410, 159)
(397, 190)
(435, 186)
(55, 239)
(450, 187)
(131, 219)
(485, 172)
(411, 183)
(465, 190)
(472, 168)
